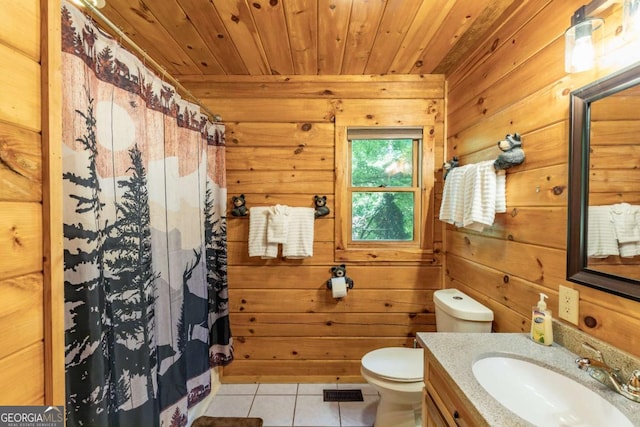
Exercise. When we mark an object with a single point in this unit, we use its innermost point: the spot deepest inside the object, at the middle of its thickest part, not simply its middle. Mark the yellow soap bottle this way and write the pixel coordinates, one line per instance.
(541, 324)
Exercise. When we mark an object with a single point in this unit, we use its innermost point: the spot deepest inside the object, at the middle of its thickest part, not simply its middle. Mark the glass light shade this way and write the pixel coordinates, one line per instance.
(98, 4)
(631, 19)
(582, 45)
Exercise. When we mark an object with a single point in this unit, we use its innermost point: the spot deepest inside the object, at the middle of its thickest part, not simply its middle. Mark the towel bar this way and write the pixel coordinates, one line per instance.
(240, 206)
(512, 155)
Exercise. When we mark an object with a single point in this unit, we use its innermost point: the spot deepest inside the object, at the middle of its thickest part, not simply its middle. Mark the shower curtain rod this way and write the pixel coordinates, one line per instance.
(212, 117)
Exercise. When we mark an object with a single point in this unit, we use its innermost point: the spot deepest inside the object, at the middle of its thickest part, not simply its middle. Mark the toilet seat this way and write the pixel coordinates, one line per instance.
(399, 364)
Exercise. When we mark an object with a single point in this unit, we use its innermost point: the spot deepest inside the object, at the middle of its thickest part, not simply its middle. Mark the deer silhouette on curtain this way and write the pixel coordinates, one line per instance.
(145, 250)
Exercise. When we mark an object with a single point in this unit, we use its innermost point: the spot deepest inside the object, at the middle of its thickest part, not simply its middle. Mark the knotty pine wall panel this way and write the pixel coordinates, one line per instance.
(21, 229)
(21, 154)
(332, 87)
(319, 300)
(31, 317)
(280, 150)
(22, 310)
(22, 374)
(333, 324)
(516, 82)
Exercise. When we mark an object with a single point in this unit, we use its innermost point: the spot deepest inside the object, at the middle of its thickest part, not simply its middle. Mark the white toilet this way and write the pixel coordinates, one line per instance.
(458, 312)
(397, 372)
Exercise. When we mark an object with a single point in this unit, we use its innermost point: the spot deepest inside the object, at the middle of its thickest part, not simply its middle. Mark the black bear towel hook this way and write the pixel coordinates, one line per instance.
(321, 205)
(450, 164)
(512, 152)
(239, 206)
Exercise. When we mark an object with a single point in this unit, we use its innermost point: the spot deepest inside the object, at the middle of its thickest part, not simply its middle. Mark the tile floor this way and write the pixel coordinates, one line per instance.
(299, 405)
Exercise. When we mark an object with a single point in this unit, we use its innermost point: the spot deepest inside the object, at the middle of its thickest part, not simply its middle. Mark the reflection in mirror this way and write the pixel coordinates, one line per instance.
(603, 247)
(613, 231)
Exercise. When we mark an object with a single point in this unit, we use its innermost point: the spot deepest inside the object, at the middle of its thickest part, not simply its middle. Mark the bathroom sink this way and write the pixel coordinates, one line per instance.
(544, 397)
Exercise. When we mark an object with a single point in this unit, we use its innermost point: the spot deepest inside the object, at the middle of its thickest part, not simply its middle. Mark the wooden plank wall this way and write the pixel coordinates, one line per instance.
(22, 355)
(280, 150)
(516, 82)
(31, 282)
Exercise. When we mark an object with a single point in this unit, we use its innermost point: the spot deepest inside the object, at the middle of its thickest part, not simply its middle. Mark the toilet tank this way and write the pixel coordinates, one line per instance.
(458, 312)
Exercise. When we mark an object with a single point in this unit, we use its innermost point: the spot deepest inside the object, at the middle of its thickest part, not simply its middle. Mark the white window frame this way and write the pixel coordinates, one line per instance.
(421, 248)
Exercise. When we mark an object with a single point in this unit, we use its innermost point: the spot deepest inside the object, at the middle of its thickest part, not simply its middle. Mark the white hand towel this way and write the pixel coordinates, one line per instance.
(258, 245)
(629, 249)
(300, 234)
(277, 220)
(501, 191)
(601, 234)
(625, 221)
(480, 196)
(452, 206)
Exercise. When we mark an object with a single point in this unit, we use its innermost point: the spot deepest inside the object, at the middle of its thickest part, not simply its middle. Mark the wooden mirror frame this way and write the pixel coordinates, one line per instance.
(579, 136)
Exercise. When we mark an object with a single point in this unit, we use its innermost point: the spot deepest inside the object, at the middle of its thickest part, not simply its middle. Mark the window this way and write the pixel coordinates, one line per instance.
(383, 194)
(384, 188)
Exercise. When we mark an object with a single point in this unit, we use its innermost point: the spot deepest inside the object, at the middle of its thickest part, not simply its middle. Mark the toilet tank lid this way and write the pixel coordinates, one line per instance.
(461, 305)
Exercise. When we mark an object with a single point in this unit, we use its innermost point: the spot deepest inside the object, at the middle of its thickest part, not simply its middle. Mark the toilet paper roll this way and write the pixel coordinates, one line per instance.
(338, 287)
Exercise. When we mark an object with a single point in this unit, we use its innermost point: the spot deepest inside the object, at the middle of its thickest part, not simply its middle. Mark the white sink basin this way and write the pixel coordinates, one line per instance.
(544, 397)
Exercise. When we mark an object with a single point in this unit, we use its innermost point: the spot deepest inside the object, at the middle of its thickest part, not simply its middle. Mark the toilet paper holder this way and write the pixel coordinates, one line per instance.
(337, 272)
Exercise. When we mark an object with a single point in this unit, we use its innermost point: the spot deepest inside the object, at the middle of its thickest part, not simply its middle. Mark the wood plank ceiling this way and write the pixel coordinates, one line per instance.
(308, 37)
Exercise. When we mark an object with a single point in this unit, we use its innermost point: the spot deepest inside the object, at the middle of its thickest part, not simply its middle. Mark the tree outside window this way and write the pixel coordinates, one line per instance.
(384, 187)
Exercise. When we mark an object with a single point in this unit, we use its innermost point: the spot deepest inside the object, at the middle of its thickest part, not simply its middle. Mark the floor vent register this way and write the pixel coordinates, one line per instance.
(343, 395)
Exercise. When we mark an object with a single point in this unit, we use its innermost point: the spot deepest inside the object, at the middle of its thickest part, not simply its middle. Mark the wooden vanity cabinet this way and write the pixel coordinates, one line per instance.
(441, 406)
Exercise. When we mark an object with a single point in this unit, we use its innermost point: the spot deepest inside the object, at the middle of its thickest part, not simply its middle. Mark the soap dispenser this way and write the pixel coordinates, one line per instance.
(541, 324)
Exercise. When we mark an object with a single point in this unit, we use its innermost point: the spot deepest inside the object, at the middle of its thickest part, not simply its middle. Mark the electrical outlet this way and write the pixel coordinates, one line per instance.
(568, 304)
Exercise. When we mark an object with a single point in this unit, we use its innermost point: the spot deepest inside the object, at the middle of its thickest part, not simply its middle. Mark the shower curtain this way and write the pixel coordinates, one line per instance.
(145, 249)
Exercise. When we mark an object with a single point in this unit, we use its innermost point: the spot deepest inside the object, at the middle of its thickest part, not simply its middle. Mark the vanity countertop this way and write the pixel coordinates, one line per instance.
(456, 353)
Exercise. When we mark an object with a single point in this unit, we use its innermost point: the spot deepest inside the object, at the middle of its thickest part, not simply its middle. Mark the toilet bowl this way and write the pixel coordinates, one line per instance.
(397, 372)
(397, 375)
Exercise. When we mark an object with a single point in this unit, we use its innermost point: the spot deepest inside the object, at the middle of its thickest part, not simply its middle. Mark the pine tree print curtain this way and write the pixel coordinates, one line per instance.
(145, 239)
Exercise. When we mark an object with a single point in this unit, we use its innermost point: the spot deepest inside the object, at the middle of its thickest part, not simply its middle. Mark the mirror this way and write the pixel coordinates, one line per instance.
(603, 247)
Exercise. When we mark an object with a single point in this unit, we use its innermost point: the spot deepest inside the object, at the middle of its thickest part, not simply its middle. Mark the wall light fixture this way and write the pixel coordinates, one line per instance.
(582, 38)
(631, 19)
(98, 4)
